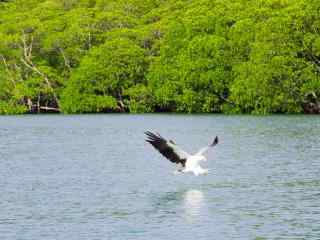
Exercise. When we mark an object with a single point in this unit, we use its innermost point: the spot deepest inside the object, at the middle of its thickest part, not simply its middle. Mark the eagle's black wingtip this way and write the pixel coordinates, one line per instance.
(153, 135)
(215, 141)
(147, 132)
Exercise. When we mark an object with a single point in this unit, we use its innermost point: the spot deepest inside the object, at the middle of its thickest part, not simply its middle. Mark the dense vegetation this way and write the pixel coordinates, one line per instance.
(232, 56)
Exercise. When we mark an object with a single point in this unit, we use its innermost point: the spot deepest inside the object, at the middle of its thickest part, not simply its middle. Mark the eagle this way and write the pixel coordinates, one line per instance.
(186, 162)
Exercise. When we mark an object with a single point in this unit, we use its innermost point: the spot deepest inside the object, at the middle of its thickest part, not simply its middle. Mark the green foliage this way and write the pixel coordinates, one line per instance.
(7, 108)
(103, 75)
(232, 56)
(139, 99)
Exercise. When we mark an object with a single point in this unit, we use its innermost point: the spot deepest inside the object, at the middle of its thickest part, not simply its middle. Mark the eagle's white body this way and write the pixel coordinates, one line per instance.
(192, 165)
(193, 161)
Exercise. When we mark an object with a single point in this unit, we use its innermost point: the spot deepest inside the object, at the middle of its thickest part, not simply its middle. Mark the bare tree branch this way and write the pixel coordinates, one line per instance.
(66, 60)
(27, 61)
(8, 70)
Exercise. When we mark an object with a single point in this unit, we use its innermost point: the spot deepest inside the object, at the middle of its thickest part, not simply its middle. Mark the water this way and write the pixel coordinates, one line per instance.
(94, 177)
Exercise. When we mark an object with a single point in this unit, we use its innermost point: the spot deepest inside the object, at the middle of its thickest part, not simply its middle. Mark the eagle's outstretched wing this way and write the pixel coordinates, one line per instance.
(205, 149)
(167, 148)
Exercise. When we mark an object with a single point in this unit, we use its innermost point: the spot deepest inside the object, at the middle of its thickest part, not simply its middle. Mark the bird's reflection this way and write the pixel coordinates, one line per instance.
(193, 202)
(188, 204)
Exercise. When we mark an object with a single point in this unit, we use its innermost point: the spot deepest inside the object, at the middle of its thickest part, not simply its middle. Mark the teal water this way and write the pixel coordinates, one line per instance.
(94, 177)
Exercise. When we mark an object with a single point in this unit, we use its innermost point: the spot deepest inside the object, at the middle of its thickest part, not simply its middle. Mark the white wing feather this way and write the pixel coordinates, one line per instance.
(205, 149)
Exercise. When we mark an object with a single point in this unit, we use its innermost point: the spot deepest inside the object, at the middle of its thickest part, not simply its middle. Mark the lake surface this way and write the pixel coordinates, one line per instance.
(94, 177)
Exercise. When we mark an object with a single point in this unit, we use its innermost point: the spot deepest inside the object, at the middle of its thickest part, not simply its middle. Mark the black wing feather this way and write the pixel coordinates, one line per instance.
(215, 142)
(162, 146)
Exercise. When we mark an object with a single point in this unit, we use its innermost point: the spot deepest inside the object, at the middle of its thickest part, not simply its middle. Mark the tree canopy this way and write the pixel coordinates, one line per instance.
(229, 56)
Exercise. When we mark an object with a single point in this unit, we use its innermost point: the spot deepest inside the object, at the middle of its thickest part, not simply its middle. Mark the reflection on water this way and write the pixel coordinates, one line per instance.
(165, 205)
(187, 203)
(193, 202)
